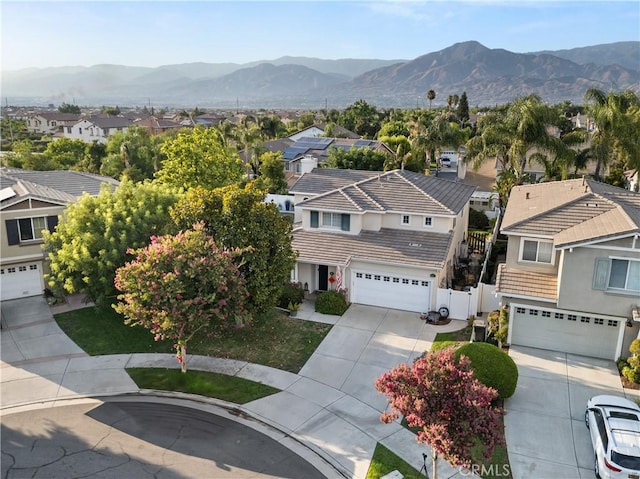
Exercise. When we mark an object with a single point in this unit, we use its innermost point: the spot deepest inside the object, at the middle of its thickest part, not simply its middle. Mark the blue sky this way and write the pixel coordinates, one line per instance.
(153, 33)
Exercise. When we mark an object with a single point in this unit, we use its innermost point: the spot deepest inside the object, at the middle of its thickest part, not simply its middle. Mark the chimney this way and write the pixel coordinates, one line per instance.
(308, 163)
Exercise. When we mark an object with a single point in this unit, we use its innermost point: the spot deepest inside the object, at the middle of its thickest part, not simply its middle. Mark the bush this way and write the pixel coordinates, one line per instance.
(498, 325)
(492, 366)
(291, 293)
(478, 220)
(632, 374)
(331, 302)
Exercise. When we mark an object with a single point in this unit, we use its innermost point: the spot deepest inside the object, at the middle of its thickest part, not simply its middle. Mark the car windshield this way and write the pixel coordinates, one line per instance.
(628, 462)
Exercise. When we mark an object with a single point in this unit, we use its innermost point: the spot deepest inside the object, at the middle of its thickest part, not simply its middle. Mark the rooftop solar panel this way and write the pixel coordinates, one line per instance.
(361, 143)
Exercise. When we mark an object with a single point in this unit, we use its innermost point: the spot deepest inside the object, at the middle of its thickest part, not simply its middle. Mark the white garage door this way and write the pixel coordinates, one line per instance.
(20, 281)
(390, 291)
(560, 331)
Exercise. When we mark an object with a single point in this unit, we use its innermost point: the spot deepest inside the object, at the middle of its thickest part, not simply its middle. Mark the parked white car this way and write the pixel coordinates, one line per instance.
(614, 425)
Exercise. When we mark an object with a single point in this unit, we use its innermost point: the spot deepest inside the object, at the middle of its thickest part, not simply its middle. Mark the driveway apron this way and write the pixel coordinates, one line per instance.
(544, 425)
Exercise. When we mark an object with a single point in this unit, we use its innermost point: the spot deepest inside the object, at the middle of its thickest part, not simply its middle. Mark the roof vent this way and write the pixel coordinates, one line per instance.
(592, 205)
(415, 245)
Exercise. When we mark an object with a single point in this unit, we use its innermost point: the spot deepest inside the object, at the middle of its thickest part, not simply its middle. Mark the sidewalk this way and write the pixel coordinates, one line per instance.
(331, 406)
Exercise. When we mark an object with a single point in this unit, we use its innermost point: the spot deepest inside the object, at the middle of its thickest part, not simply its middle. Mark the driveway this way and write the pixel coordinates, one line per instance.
(544, 425)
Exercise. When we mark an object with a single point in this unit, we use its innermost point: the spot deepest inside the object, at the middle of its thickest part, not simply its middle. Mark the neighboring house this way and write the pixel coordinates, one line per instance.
(31, 201)
(208, 119)
(319, 130)
(319, 147)
(50, 123)
(388, 239)
(485, 201)
(572, 272)
(157, 126)
(97, 128)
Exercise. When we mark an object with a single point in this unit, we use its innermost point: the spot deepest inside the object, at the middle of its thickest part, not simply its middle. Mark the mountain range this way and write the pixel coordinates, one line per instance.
(489, 76)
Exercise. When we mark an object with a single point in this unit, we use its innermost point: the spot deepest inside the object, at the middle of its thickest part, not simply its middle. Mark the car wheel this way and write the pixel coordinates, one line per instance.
(596, 468)
(586, 418)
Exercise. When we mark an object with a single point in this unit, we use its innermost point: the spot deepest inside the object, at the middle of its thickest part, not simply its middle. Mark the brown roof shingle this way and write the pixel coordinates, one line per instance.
(511, 281)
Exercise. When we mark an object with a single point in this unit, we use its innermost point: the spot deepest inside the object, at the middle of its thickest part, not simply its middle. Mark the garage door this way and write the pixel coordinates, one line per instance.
(20, 280)
(560, 331)
(390, 291)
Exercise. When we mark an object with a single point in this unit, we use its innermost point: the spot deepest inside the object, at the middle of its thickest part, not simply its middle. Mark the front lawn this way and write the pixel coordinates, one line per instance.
(273, 340)
(384, 461)
(220, 386)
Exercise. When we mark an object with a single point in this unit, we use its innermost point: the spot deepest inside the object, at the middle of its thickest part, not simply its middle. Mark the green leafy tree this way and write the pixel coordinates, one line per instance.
(111, 110)
(393, 128)
(134, 153)
(361, 118)
(65, 153)
(239, 218)
(271, 127)
(182, 285)
(462, 111)
(451, 408)
(306, 120)
(199, 158)
(272, 177)
(356, 159)
(68, 108)
(94, 234)
(94, 153)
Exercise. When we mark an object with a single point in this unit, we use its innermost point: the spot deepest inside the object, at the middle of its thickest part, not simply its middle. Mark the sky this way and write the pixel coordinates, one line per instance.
(152, 33)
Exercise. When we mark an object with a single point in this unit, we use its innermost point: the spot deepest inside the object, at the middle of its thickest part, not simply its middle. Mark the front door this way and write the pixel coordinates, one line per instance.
(323, 277)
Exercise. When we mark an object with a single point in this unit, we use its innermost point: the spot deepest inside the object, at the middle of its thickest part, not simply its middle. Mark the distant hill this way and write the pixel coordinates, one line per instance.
(489, 76)
(625, 54)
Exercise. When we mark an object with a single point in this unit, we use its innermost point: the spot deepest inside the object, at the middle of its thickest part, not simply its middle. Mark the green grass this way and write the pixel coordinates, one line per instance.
(228, 388)
(453, 338)
(384, 461)
(273, 340)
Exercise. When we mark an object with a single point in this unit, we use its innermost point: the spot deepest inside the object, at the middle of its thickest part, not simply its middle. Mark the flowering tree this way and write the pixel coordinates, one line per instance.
(451, 407)
(179, 285)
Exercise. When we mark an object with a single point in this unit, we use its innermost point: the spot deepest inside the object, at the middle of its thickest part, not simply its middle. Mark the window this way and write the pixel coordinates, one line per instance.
(559, 316)
(537, 251)
(33, 267)
(22, 268)
(616, 274)
(625, 274)
(546, 314)
(358, 275)
(11, 270)
(598, 321)
(428, 221)
(405, 281)
(520, 310)
(396, 280)
(612, 322)
(572, 317)
(424, 283)
(314, 219)
(336, 220)
(367, 276)
(376, 277)
(386, 278)
(31, 228)
(585, 319)
(533, 312)
(414, 282)
(406, 219)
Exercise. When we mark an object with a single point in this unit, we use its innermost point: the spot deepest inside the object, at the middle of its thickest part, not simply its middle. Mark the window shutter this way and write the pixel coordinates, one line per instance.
(13, 237)
(314, 219)
(346, 222)
(601, 273)
(52, 222)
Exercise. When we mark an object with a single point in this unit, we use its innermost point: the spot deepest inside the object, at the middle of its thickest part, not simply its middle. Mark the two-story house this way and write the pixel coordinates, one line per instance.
(30, 202)
(97, 128)
(388, 239)
(572, 274)
(51, 122)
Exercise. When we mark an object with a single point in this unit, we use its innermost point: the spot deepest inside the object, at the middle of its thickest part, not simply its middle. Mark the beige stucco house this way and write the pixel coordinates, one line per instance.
(30, 202)
(388, 239)
(571, 279)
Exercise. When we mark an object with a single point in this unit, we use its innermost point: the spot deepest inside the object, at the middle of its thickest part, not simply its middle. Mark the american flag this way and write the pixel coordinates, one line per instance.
(338, 278)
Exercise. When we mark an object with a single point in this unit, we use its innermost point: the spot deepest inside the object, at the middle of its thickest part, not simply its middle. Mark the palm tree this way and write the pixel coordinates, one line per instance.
(431, 95)
(617, 118)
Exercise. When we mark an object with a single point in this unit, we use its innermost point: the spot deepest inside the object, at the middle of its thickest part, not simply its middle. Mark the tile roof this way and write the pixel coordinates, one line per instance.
(319, 147)
(415, 248)
(58, 185)
(321, 180)
(572, 211)
(397, 190)
(110, 121)
(57, 116)
(511, 281)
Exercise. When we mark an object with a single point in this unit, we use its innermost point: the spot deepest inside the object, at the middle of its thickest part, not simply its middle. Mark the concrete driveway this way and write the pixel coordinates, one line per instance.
(544, 425)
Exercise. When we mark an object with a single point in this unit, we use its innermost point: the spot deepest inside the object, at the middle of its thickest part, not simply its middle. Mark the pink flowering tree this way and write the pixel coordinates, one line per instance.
(180, 285)
(453, 410)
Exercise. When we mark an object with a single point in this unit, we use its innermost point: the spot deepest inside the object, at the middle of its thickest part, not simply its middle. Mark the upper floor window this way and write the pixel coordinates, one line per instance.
(617, 274)
(31, 228)
(537, 251)
(406, 219)
(331, 220)
(428, 221)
